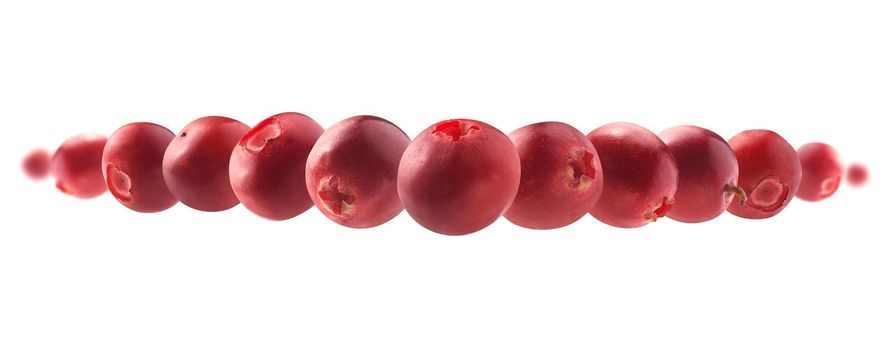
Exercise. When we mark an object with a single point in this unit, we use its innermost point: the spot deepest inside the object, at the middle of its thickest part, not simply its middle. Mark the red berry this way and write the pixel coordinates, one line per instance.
(36, 164)
(769, 173)
(458, 176)
(77, 166)
(707, 173)
(267, 167)
(822, 171)
(196, 163)
(560, 176)
(857, 175)
(352, 171)
(640, 175)
(132, 166)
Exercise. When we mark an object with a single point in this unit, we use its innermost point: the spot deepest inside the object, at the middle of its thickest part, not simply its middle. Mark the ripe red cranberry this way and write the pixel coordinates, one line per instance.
(822, 171)
(196, 163)
(267, 167)
(640, 175)
(132, 166)
(769, 173)
(560, 176)
(77, 166)
(458, 176)
(707, 173)
(352, 171)
(37, 164)
(857, 175)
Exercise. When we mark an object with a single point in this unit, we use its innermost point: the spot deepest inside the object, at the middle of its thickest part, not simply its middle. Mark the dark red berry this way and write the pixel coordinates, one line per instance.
(707, 174)
(769, 173)
(458, 176)
(352, 172)
(560, 177)
(196, 163)
(640, 175)
(132, 166)
(267, 167)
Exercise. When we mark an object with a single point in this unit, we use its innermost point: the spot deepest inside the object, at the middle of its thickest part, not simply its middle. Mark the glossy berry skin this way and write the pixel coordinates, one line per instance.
(36, 164)
(132, 167)
(707, 173)
(196, 163)
(769, 174)
(640, 175)
(822, 171)
(857, 175)
(352, 172)
(77, 166)
(560, 176)
(458, 176)
(267, 166)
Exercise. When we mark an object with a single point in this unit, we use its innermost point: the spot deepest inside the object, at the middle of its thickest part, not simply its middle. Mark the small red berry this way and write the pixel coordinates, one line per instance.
(267, 167)
(640, 175)
(132, 166)
(77, 166)
(560, 176)
(707, 174)
(196, 163)
(458, 176)
(857, 175)
(769, 173)
(352, 172)
(36, 164)
(822, 171)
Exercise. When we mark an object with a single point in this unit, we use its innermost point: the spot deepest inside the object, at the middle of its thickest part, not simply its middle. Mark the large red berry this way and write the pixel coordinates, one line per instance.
(77, 166)
(267, 167)
(560, 177)
(769, 173)
(458, 176)
(640, 175)
(857, 175)
(707, 173)
(196, 163)
(132, 166)
(822, 171)
(352, 171)
(37, 164)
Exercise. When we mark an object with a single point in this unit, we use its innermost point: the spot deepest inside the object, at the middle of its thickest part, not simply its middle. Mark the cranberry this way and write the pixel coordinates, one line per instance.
(196, 163)
(37, 164)
(857, 175)
(458, 176)
(640, 175)
(267, 167)
(822, 171)
(769, 173)
(560, 176)
(77, 166)
(352, 171)
(132, 166)
(707, 173)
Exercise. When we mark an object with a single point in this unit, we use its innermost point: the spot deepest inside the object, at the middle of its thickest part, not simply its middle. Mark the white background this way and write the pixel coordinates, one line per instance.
(93, 275)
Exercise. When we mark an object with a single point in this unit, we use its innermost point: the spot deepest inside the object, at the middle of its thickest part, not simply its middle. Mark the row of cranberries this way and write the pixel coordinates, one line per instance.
(456, 177)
